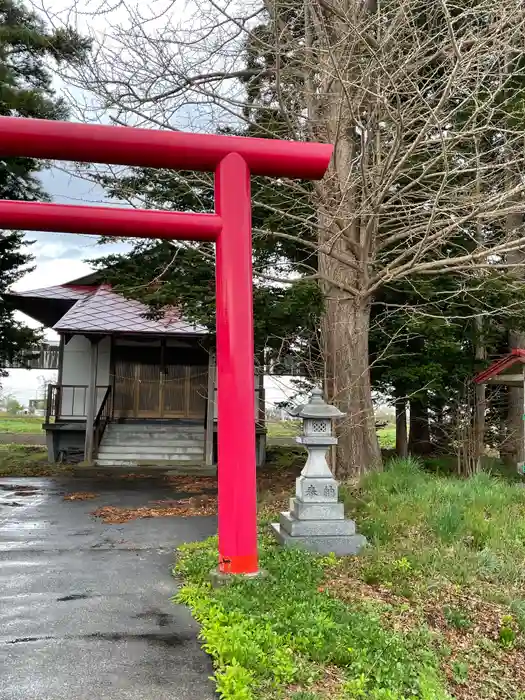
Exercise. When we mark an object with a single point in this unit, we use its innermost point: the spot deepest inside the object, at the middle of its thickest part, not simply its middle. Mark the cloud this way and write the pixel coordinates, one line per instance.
(66, 187)
(60, 257)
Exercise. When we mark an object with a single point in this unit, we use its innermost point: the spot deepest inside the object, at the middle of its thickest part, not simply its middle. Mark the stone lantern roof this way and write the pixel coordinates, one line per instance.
(317, 408)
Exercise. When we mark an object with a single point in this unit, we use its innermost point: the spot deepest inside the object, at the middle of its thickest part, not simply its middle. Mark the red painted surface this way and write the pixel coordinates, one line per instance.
(120, 145)
(233, 159)
(235, 370)
(109, 221)
(515, 355)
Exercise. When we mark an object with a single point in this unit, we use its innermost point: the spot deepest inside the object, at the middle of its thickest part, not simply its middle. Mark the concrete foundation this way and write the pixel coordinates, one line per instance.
(316, 511)
(310, 528)
(340, 546)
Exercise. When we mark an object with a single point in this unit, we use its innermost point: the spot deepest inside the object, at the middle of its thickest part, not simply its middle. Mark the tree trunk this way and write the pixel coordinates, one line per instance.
(440, 428)
(345, 339)
(345, 261)
(480, 390)
(515, 448)
(514, 451)
(419, 438)
(480, 400)
(401, 428)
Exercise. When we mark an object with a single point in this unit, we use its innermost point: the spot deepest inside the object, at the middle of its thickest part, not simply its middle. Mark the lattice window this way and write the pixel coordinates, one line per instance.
(319, 426)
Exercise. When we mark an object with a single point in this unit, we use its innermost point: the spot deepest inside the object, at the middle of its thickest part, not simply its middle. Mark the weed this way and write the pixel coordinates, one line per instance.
(460, 671)
(518, 611)
(373, 574)
(387, 438)
(447, 521)
(457, 618)
(402, 565)
(464, 530)
(507, 633)
(281, 457)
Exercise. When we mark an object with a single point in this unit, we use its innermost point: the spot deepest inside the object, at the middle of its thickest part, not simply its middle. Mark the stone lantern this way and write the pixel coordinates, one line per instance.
(316, 518)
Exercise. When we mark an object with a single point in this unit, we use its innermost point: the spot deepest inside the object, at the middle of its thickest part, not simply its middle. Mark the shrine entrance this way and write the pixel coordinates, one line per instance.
(160, 391)
(157, 378)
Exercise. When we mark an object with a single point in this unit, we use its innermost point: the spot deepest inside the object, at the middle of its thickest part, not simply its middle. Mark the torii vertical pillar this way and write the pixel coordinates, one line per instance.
(235, 370)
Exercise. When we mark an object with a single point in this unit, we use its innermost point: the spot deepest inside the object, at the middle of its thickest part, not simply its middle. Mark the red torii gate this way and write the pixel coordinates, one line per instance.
(232, 159)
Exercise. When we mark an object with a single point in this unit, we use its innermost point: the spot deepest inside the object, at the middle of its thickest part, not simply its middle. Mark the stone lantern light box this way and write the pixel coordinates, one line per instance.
(316, 519)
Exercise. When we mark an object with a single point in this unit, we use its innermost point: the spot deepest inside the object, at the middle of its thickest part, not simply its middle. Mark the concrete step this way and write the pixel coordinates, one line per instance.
(156, 469)
(167, 454)
(141, 428)
(156, 427)
(144, 457)
(153, 446)
(164, 438)
(165, 463)
(160, 440)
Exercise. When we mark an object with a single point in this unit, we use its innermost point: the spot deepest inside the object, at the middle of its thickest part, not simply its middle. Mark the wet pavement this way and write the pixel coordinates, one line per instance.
(85, 610)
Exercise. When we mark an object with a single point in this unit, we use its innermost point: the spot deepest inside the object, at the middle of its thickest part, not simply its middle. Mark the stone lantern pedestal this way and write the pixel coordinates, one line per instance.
(316, 519)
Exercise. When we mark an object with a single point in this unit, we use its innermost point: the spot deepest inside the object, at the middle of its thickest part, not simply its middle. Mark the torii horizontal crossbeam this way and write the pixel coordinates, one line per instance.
(120, 145)
(109, 221)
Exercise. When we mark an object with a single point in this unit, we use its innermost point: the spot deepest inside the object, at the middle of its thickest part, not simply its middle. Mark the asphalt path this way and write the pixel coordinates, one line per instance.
(85, 607)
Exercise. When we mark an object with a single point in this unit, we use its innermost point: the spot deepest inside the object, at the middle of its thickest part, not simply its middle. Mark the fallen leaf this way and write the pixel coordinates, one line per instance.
(80, 496)
(185, 508)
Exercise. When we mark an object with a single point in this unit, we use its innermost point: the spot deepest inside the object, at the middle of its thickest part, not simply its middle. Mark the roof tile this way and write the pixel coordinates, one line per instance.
(62, 291)
(104, 311)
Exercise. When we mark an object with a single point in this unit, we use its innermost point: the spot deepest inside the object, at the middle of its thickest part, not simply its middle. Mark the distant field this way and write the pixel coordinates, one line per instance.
(279, 430)
(276, 429)
(284, 428)
(21, 424)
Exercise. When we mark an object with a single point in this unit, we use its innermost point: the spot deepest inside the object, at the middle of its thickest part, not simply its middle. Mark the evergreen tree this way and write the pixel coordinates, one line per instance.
(14, 336)
(26, 49)
(422, 342)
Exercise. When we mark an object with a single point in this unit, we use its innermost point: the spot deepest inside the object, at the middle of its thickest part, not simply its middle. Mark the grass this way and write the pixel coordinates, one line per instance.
(387, 438)
(27, 460)
(465, 530)
(283, 428)
(433, 608)
(450, 554)
(20, 424)
(276, 429)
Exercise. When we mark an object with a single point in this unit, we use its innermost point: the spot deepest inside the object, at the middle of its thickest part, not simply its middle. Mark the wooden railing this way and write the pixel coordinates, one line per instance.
(52, 402)
(101, 419)
(69, 401)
